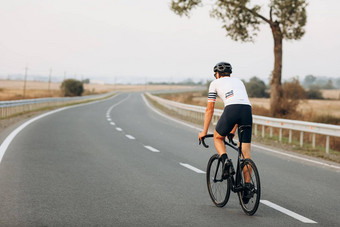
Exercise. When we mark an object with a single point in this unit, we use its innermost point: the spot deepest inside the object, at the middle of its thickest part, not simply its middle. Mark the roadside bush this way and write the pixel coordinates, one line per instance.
(72, 87)
(314, 93)
(256, 88)
(293, 92)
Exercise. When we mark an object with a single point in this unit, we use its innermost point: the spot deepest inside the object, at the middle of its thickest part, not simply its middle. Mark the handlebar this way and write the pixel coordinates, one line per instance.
(203, 142)
(230, 138)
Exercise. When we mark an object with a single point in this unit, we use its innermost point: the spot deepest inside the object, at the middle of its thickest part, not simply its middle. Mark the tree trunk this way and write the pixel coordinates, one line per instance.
(276, 87)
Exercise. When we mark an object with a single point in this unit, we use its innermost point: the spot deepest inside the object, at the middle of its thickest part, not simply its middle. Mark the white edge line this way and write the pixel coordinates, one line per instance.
(191, 168)
(151, 148)
(11, 136)
(170, 118)
(288, 212)
(264, 148)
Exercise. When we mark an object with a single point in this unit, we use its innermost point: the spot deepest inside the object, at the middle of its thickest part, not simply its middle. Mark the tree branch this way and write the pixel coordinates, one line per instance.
(249, 10)
(271, 13)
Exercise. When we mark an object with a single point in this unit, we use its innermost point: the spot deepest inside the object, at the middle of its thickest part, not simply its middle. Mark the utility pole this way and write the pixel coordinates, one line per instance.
(49, 81)
(25, 81)
(115, 81)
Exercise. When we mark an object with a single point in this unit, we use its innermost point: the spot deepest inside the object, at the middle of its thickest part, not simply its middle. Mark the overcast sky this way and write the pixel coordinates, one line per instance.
(138, 41)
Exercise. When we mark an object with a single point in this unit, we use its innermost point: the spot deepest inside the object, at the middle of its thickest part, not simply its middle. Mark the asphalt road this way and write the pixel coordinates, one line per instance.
(119, 163)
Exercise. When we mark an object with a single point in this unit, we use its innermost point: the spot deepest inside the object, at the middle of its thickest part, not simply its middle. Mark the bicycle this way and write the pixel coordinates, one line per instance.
(219, 188)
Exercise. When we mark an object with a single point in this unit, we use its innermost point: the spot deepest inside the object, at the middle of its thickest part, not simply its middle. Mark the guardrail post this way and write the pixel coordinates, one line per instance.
(290, 136)
(313, 140)
(327, 145)
(301, 139)
(280, 135)
(271, 132)
(262, 131)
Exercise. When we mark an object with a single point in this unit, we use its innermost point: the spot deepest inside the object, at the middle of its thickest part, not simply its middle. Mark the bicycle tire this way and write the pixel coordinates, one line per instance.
(251, 206)
(219, 191)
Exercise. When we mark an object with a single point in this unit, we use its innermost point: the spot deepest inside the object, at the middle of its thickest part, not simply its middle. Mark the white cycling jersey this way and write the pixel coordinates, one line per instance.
(230, 89)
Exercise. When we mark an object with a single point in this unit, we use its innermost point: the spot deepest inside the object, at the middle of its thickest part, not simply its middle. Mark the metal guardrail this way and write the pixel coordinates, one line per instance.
(198, 112)
(9, 108)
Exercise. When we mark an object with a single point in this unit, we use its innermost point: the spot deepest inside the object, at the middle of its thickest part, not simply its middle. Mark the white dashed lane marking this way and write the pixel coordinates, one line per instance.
(151, 149)
(119, 129)
(112, 123)
(130, 137)
(191, 168)
(288, 212)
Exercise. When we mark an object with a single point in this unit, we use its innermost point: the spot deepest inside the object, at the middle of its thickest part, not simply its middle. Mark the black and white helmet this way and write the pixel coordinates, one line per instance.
(223, 67)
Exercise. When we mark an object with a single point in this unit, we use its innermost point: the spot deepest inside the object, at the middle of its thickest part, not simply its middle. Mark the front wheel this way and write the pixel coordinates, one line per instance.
(250, 195)
(219, 189)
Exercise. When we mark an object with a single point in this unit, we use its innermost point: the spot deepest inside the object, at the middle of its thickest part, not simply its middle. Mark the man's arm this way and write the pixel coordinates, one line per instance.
(209, 112)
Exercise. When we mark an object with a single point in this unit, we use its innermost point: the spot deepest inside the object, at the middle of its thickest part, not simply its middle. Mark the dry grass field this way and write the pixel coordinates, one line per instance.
(318, 107)
(13, 89)
(331, 94)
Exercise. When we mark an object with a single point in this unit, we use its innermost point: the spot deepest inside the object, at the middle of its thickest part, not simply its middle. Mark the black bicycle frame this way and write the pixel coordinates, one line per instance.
(235, 181)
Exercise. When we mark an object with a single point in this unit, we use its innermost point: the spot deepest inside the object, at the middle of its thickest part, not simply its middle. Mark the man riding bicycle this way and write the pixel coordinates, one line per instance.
(237, 112)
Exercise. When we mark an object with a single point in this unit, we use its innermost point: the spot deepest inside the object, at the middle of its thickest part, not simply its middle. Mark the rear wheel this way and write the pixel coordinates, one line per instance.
(250, 180)
(219, 189)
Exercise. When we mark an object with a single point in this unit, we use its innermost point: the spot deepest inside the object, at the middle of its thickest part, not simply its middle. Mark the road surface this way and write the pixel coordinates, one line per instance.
(119, 163)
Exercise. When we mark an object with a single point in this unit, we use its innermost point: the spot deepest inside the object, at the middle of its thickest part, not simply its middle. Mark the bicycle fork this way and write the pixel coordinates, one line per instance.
(215, 176)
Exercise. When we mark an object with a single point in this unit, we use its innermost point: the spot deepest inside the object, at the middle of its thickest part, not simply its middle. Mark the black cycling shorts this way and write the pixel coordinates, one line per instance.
(236, 114)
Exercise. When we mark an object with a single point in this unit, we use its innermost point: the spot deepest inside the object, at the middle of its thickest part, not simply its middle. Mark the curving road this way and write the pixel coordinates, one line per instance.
(119, 163)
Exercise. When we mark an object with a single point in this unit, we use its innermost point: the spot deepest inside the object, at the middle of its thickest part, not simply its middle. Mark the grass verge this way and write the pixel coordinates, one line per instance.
(294, 146)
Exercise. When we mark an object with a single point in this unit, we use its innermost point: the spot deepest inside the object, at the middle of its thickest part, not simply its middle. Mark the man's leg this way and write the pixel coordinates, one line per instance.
(221, 150)
(219, 143)
(246, 153)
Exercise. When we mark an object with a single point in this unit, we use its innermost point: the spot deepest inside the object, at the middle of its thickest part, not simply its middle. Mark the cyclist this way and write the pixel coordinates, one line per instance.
(237, 111)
